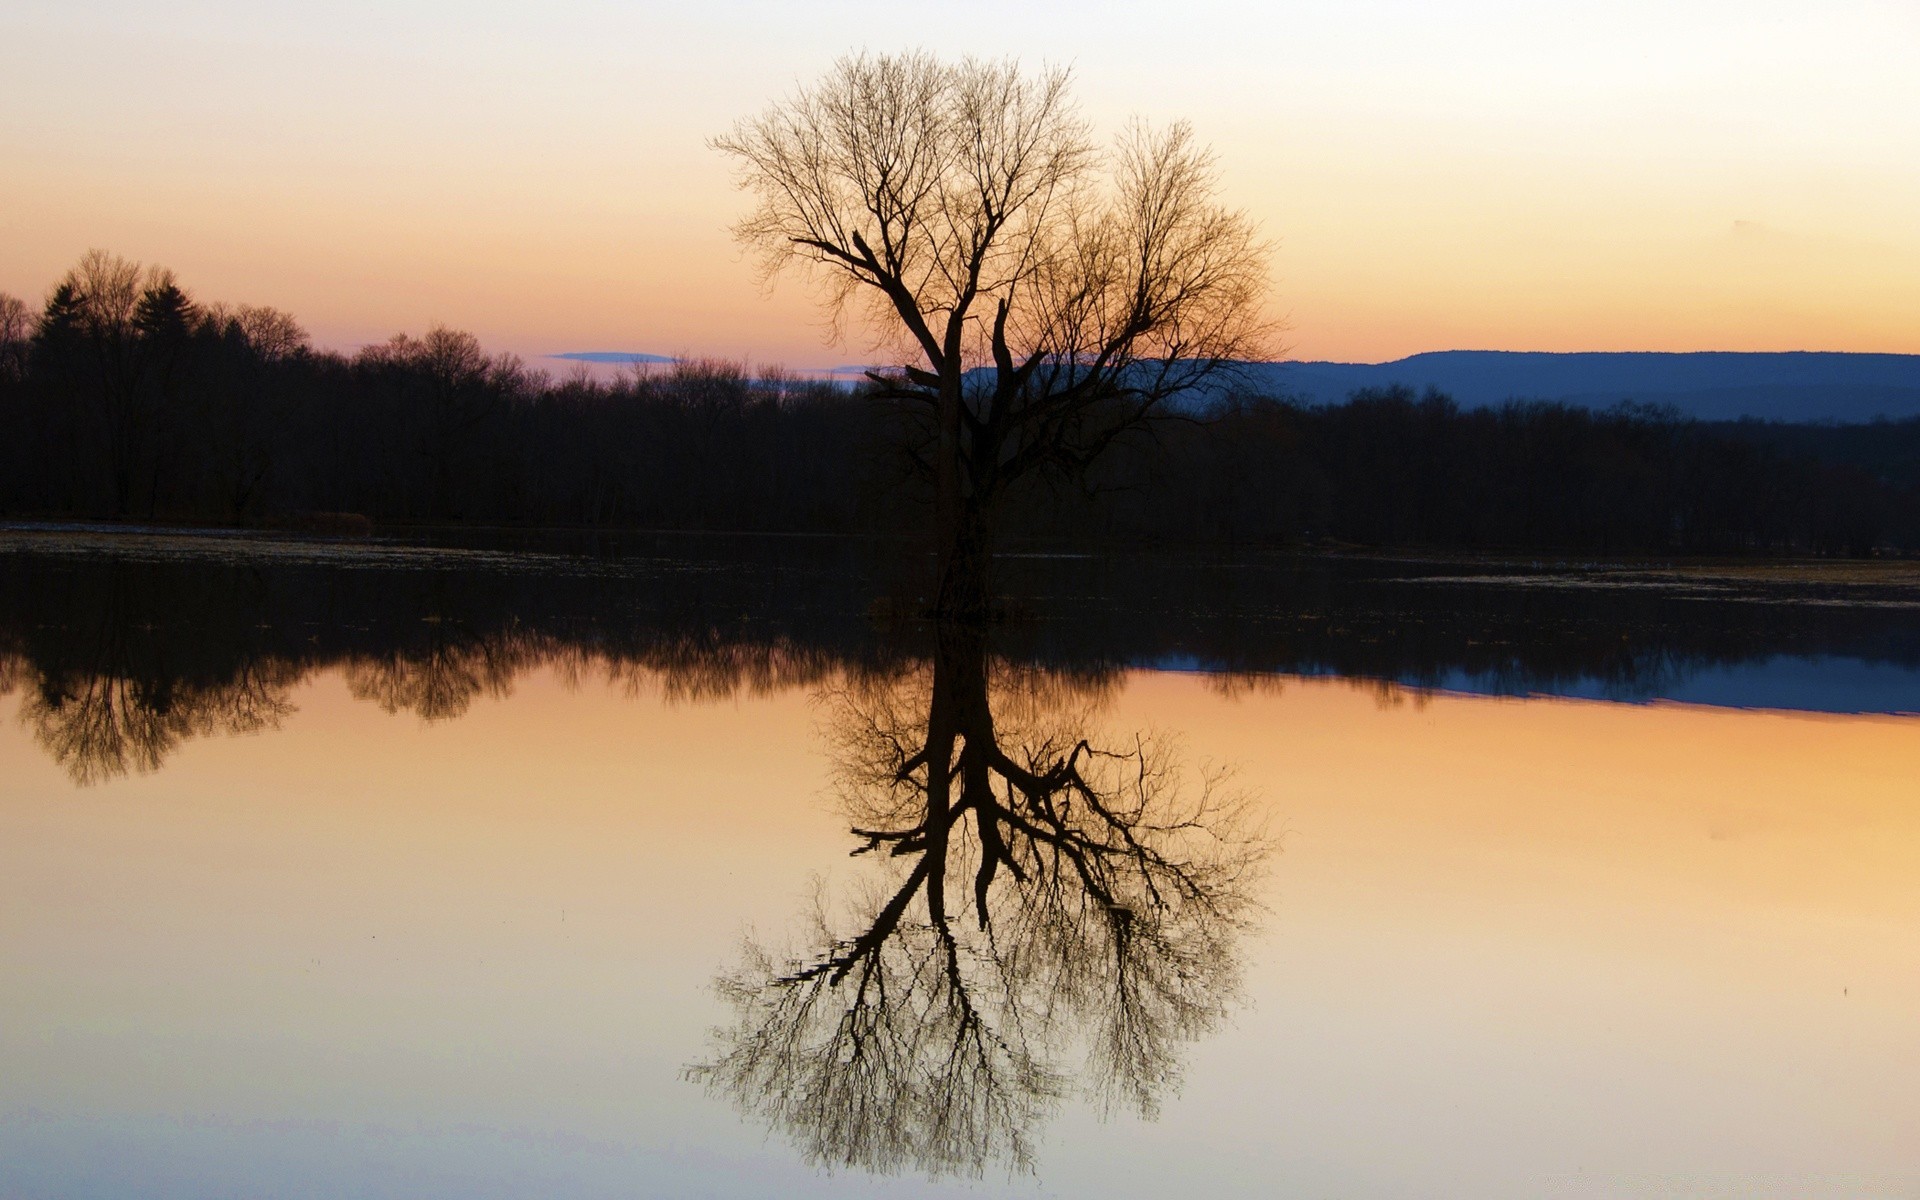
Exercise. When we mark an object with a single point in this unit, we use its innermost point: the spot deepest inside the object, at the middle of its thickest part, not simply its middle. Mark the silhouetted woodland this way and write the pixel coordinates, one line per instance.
(1388, 468)
(125, 398)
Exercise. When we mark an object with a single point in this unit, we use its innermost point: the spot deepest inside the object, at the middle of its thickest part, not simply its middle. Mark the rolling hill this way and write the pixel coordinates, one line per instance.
(1712, 385)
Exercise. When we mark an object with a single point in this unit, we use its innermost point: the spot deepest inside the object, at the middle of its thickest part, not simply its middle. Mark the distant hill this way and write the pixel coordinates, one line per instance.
(1711, 385)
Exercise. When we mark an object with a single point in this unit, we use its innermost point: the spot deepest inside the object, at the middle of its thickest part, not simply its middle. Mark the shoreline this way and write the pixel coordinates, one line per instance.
(496, 544)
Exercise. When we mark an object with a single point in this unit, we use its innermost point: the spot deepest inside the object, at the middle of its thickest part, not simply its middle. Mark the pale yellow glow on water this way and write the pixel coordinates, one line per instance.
(1523, 948)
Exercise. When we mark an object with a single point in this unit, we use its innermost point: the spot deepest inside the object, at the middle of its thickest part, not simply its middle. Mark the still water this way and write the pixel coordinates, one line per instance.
(438, 871)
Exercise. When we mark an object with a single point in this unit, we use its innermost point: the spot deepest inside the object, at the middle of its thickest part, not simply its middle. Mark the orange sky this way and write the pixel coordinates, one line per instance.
(1693, 174)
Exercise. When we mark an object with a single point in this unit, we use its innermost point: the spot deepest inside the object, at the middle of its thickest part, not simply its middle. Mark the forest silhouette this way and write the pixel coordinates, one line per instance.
(126, 398)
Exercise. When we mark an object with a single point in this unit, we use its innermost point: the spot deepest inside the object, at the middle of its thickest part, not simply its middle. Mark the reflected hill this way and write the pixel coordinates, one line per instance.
(1053, 910)
(123, 650)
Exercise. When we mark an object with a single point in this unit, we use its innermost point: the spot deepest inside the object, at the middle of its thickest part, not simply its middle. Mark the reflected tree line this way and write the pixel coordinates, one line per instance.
(124, 396)
(119, 661)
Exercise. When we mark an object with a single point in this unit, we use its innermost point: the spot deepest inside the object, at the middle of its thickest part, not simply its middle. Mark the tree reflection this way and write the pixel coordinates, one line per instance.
(110, 694)
(438, 677)
(101, 725)
(1102, 887)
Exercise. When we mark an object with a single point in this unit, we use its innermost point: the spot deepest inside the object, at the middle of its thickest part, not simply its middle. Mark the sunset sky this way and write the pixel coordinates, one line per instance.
(1673, 175)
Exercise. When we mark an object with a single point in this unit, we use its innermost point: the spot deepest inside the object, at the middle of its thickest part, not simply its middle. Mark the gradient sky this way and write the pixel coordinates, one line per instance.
(1640, 174)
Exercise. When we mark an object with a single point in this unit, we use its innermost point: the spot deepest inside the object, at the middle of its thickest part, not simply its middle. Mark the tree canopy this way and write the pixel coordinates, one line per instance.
(1043, 297)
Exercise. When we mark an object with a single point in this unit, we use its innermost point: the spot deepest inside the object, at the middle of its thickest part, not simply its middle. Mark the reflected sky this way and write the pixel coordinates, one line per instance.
(1510, 948)
(1055, 909)
(410, 870)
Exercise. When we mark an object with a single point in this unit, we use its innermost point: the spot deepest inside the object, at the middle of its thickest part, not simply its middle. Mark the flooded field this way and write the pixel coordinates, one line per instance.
(611, 870)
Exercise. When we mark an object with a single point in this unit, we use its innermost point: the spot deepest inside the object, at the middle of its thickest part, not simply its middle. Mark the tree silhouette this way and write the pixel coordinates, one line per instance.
(16, 338)
(110, 721)
(246, 389)
(453, 387)
(1103, 894)
(437, 678)
(1043, 298)
(166, 321)
(120, 317)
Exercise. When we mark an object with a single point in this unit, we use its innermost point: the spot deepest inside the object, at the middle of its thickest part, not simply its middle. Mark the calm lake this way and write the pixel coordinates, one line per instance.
(480, 868)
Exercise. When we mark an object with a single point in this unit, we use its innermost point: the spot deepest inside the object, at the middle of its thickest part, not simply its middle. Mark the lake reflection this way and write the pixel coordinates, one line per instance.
(1105, 884)
(446, 920)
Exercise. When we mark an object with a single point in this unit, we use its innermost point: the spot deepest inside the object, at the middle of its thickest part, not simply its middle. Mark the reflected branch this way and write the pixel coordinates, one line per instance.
(1108, 882)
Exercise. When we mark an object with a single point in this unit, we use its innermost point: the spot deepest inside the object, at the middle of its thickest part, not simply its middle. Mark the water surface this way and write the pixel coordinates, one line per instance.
(363, 877)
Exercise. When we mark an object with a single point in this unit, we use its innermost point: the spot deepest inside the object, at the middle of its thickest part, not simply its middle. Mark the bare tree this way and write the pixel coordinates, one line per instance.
(238, 411)
(273, 335)
(460, 390)
(131, 325)
(16, 338)
(102, 292)
(1045, 297)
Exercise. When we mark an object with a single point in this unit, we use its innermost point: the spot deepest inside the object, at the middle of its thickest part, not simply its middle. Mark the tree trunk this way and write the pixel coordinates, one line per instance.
(963, 536)
(966, 559)
(958, 716)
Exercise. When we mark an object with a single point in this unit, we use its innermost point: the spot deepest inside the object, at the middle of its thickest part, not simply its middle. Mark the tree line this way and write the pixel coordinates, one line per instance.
(124, 397)
(1390, 468)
